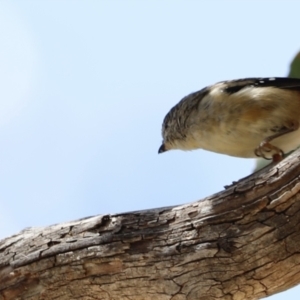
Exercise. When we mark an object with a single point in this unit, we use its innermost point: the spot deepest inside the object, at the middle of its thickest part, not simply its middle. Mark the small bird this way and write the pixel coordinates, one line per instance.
(251, 117)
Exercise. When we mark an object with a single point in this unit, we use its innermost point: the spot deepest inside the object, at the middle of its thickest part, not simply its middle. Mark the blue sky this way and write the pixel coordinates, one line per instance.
(85, 86)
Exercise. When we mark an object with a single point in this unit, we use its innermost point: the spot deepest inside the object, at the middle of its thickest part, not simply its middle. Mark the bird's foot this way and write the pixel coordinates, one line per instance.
(264, 149)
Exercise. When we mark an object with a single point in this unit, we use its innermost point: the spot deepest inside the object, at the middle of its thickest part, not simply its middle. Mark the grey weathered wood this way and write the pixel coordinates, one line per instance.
(242, 243)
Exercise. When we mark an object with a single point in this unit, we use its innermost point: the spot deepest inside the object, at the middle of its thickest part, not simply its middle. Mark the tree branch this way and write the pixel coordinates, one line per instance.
(242, 243)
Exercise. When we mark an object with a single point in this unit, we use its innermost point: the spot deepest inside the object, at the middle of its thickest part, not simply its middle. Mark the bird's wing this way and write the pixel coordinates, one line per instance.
(277, 82)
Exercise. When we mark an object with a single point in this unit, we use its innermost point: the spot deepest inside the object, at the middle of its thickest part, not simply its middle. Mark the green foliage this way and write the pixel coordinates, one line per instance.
(295, 67)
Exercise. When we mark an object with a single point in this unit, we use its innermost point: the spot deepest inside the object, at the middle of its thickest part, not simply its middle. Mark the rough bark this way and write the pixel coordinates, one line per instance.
(242, 243)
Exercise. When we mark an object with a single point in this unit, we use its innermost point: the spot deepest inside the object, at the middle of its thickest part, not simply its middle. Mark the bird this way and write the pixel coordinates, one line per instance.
(248, 118)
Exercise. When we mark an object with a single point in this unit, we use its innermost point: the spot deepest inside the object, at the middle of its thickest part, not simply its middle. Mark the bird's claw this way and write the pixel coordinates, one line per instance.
(265, 148)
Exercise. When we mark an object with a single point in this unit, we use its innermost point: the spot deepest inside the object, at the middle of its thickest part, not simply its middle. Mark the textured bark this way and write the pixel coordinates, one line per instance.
(242, 243)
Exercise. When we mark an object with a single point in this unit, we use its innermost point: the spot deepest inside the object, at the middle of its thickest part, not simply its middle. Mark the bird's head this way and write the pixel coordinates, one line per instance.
(173, 131)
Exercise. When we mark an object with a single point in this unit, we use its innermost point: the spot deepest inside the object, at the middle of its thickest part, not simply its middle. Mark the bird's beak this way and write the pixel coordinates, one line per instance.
(162, 148)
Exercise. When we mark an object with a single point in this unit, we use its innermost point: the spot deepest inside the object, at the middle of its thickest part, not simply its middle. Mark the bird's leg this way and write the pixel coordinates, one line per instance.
(265, 146)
